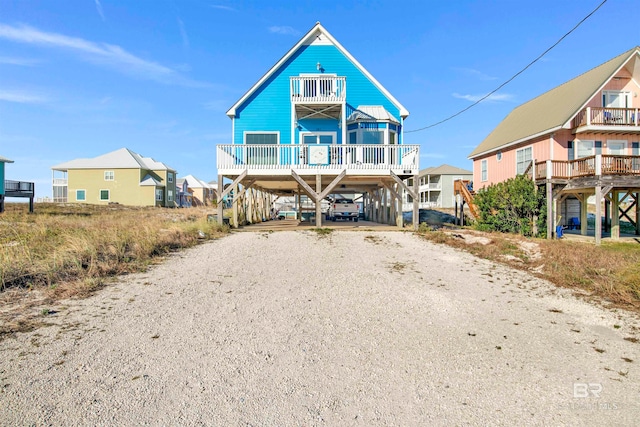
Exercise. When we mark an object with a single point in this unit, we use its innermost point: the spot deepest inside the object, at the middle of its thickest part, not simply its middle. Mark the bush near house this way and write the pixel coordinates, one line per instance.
(512, 206)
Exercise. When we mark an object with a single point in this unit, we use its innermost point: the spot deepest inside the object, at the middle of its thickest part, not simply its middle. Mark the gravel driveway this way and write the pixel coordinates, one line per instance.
(355, 328)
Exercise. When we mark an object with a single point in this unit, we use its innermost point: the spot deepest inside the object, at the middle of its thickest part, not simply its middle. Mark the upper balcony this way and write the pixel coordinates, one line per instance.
(607, 119)
(320, 89)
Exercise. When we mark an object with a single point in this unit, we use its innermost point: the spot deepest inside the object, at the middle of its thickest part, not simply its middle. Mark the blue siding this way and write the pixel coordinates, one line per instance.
(269, 107)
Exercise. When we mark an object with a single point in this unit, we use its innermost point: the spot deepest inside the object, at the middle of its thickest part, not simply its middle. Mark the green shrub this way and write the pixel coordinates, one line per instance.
(513, 206)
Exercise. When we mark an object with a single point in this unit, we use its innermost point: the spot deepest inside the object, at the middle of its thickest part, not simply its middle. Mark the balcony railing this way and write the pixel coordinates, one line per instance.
(318, 89)
(598, 165)
(19, 188)
(596, 116)
(317, 156)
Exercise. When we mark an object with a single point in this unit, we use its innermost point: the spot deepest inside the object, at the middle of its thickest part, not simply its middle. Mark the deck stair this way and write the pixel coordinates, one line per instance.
(461, 187)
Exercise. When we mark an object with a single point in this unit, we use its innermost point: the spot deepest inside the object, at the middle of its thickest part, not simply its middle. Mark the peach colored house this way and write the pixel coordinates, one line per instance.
(580, 139)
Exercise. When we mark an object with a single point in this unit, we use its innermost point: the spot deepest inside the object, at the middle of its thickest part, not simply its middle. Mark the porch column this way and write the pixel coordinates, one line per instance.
(220, 204)
(297, 205)
(607, 215)
(399, 220)
(550, 219)
(615, 217)
(598, 231)
(318, 204)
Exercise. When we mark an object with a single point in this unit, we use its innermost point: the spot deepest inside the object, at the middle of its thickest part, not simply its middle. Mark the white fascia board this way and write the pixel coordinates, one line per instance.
(599, 88)
(404, 113)
(516, 142)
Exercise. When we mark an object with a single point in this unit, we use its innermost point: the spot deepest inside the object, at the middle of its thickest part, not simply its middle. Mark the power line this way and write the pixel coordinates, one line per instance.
(512, 77)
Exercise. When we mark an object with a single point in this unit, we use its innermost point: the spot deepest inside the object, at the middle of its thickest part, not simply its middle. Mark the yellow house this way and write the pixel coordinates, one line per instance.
(121, 176)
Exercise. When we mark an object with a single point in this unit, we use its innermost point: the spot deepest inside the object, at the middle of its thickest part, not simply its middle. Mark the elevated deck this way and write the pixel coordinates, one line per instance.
(18, 189)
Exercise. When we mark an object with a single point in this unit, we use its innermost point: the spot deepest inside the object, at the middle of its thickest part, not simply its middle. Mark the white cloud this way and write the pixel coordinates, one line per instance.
(496, 97)
(285, 30)
(21, 97)
(102, 53)
(25, 62)
(475, 73)
(100, 11)
(222, 7)
(183, 33)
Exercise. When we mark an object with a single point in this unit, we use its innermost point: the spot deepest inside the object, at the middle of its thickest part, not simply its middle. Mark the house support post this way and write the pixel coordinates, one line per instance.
(615, 218)
(398, 199)
(455, 209)
(385, 203)
(607, 215)
(583, 213)
(318, 200)
(637, 203)
(234, 206)
(220, 204)
(416, 201)
(598, 230)
(550, 218)
(1, 203)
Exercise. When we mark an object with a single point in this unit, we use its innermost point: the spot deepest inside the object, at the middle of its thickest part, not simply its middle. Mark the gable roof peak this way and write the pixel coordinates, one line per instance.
(311, 37)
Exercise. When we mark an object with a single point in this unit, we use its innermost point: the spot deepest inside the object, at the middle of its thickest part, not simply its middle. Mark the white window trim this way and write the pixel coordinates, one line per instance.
(160, 191)
(256, 132)
(484, 170)
(108, 194)
(625, 94)
(170, 177)
(169, 195)
(499, 156)
(85, 195)
(576, 149)
(522, 149)
(112, 173)
(623, 141)
(319, 133)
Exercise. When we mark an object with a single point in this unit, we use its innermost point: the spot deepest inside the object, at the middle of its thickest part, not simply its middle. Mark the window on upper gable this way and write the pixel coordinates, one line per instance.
(109, 175)
(484, 170)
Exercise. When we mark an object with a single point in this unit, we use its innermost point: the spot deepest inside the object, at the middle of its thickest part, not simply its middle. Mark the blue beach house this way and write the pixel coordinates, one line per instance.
(318, 123)
(3, 160)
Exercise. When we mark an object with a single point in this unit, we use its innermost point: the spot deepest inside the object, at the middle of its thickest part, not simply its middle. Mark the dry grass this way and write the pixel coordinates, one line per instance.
(610, 272)
(66, 251)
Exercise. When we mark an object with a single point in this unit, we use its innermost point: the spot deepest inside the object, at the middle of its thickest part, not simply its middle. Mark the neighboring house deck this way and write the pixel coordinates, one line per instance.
(436, 187)
(581, 140)
(10, 188)
(316, 123)
(120, 176)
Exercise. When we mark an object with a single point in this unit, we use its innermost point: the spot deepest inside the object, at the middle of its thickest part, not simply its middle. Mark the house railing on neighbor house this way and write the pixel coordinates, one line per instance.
(18, 189)
(607, 117)
(600, 164)
(317, 156)
(433, 186)
(318, 89)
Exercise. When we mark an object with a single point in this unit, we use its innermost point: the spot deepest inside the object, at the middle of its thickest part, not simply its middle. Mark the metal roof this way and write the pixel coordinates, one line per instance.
(119, 159)
(554, 109)
(445, 170)
(371, 112)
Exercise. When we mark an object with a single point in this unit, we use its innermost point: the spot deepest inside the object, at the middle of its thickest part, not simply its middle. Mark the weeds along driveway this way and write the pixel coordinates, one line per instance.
(352, 328)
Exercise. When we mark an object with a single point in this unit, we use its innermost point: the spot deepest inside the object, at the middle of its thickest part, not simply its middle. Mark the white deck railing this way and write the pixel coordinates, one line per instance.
(318, 89)
(320, 156)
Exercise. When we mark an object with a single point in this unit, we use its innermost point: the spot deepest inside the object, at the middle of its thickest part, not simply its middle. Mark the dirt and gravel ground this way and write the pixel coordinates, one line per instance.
(355, 328)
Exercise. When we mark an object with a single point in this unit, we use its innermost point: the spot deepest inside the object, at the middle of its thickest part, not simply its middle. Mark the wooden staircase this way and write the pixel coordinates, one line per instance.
(461, 187)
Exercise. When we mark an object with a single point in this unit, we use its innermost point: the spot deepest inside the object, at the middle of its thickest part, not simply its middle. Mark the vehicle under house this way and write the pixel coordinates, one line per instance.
(317, 123)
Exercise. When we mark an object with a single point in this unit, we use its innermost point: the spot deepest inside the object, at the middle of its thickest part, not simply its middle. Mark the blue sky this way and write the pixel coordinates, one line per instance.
(82, 78)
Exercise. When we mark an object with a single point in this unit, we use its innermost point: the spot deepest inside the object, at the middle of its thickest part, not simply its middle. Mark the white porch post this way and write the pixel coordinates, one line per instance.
(317, 200)
(615, 217)
(220, 204)
(598, 231)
